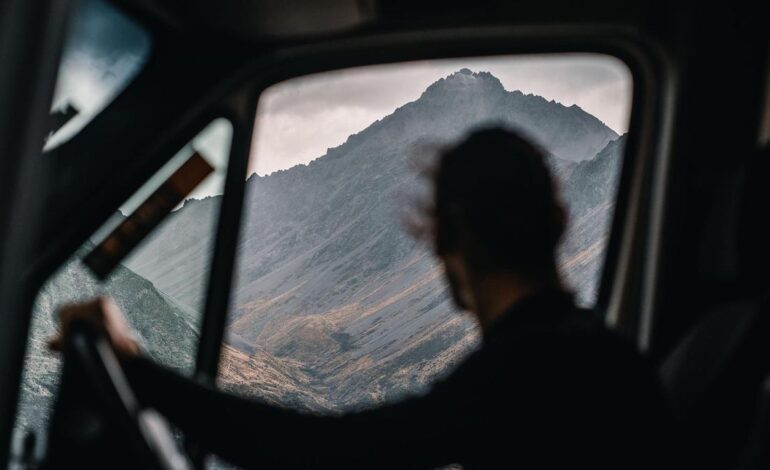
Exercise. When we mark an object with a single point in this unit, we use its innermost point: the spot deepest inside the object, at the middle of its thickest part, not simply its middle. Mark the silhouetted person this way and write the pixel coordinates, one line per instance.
(550, 386)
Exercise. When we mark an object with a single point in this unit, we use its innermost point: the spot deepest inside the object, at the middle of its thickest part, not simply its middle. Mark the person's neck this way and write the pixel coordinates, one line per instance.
(495, 294)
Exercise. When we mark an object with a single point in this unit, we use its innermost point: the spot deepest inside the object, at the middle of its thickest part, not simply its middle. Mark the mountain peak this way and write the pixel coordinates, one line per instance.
(465, 80)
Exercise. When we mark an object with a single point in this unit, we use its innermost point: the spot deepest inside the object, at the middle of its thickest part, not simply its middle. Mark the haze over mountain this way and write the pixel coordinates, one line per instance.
(335, 306)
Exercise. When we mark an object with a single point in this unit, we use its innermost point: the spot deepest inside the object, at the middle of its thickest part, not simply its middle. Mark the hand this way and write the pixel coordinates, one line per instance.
(106, 316)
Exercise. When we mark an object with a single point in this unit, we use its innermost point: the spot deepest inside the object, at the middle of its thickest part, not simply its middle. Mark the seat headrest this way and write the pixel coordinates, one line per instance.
(753, 226)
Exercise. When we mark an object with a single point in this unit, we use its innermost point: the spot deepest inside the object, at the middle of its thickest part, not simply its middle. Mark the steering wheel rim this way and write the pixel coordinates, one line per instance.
(98, 361)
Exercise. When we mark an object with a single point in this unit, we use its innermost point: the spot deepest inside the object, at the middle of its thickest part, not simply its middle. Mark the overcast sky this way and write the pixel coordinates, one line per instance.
(299, 119)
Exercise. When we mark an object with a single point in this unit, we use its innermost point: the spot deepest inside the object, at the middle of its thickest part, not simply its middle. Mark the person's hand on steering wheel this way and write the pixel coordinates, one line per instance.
(103, 314)
(87, 331)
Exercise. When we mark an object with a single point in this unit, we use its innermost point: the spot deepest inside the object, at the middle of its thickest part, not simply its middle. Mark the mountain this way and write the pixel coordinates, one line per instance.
(465, 97)
(167, 331)
(328, 283)
(445, 111)
(176, 257)
(589, 189)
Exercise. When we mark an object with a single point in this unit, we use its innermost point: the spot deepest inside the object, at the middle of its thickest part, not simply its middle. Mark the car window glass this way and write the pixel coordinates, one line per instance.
(104, 50)
(160, 286)
(335, 307)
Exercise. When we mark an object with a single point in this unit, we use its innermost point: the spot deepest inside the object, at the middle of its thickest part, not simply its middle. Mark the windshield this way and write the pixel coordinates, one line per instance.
(103, 52)
(335, 306)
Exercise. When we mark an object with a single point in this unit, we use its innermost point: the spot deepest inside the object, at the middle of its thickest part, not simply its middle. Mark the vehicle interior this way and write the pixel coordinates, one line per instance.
(285, 125)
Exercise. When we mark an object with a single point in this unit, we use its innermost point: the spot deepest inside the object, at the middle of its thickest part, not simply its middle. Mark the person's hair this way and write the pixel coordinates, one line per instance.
(494, 200)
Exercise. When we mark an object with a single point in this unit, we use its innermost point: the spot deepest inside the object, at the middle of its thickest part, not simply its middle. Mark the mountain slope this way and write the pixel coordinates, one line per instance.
(329, 282)
(444, 112)
(167, 331)
(177, 257)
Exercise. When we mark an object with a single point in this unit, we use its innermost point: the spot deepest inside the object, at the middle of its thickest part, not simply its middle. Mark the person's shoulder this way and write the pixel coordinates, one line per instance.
(548, 335)
(587, 329)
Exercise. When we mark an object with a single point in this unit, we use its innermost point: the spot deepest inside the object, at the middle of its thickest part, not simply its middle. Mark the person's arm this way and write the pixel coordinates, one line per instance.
(416, 433)
(419, 433)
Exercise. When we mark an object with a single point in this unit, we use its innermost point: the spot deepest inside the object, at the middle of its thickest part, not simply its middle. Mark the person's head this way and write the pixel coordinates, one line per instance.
(494, 214)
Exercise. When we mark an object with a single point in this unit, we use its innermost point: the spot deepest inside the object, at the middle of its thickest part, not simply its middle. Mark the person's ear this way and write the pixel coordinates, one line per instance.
(448, 231)
(559, 221)
(458, 276)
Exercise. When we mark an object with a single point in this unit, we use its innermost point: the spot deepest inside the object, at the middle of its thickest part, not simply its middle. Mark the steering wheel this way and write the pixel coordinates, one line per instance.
(97, 417)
